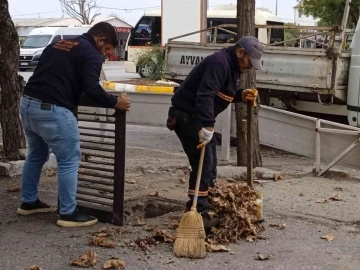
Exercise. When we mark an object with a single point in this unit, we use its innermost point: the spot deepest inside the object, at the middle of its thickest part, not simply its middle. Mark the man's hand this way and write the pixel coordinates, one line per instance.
(206, 134)
(249, 94)
(123, 102)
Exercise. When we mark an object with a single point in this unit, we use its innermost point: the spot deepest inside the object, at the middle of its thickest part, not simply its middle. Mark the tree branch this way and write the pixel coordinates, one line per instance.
(81, 10)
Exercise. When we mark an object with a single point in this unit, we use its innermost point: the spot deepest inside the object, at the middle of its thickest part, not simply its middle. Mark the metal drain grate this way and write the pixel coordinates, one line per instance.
(102, 170)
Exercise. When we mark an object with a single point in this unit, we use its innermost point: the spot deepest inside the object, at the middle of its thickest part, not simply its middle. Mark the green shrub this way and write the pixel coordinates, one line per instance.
(154, 60)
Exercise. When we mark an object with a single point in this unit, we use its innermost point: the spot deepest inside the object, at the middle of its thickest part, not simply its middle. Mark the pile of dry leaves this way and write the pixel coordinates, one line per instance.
(239, 209)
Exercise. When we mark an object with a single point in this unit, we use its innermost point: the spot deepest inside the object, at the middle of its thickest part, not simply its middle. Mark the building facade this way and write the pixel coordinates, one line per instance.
(301, 19)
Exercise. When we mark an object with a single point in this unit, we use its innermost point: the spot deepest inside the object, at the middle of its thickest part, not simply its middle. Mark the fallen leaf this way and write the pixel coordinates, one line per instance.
(88, 259)
(182, 180)
(328, 237)
(155, 194)
(301, 195)
(335, 197)
(103, 234)
(212, 214)
(102, 242)
(50, 173)
(262, 257)
(144, 244)
(130, 181)
(250, 238)
(338, 189)
(163, 236)
(279, 225)
(102, 230)
(13, 190)
(321, 201)
(279, 177)
(148, 228)
(140, 221)
(114, 264)
(216, 248)
(34, 267)
(253, 238)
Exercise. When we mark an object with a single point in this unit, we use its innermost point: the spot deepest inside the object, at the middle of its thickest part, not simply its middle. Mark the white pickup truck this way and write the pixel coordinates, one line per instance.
(324, 79)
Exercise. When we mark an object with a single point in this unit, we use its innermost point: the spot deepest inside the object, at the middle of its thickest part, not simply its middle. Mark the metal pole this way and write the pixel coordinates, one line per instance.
(226, 133)
(339, 157)
(318, 145)
(249, 142)
(276, 7)
(344, 24)
(204, 8)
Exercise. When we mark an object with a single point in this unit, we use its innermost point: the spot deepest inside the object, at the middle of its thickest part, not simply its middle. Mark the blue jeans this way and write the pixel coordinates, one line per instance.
(50, 126)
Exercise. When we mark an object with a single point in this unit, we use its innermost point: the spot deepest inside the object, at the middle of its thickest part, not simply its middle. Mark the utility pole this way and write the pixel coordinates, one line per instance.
(276, 7)
(246, 27)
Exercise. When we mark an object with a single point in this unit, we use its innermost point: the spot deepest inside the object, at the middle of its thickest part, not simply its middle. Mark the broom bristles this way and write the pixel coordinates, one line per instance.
(190, 237)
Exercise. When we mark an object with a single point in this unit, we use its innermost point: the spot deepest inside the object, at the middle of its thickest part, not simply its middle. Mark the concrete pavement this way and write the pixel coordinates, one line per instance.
(25, 241)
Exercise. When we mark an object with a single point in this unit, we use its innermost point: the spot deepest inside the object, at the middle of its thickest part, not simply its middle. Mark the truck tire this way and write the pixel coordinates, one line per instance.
(145, 72)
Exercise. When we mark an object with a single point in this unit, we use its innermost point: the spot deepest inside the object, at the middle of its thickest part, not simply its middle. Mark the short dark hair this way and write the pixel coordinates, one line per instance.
(106, 30)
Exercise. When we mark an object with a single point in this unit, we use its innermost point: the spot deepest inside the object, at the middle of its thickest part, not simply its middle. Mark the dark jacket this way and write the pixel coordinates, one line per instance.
(210, 87)
(66, 70)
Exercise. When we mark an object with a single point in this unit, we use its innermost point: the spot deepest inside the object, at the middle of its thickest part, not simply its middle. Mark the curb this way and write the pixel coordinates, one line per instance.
(15, 168)
(122, 87)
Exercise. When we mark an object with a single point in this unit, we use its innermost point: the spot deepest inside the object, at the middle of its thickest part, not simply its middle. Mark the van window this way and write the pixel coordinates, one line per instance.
(56, 39)
(70, 36)
(36, 41)
(142, 31)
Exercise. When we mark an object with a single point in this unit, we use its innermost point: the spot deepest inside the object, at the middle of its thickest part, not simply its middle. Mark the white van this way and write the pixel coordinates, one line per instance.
(39, 38)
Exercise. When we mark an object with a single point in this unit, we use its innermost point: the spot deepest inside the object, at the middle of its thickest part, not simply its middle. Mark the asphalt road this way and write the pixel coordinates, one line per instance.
(114, 71)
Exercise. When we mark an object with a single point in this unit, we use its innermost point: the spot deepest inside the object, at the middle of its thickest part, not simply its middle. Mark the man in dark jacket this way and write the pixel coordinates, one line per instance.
(207, 91)
(66, 70)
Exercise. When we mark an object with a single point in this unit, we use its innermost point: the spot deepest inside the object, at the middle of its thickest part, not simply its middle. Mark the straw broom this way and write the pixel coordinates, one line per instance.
(190, 235)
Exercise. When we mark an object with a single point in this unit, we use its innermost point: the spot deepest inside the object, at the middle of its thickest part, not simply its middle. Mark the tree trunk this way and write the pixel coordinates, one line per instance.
(246, 27)
(11, 86)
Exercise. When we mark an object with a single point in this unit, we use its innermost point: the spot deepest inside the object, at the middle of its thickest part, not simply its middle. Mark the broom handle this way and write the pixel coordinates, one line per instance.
(198, 179)
(249, 149)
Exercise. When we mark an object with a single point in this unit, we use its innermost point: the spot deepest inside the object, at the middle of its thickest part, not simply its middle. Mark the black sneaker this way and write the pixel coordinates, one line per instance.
(26, 209)
(76, 219)
(209, 222)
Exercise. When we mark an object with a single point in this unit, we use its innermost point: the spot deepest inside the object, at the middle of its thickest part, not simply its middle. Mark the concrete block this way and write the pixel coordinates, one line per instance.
(240, 173)
(51, 163)
(16, 167)
(4, 169)
(265, 174)
(231, 172)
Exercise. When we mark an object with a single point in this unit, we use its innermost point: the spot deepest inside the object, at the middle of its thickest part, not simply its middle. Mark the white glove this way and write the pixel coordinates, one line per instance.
(205, 135)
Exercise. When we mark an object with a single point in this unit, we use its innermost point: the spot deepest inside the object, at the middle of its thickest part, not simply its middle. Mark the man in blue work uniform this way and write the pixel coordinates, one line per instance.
(209, 88)
(66, 70)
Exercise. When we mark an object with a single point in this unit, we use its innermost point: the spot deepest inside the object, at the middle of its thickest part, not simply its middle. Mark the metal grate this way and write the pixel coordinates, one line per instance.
(102, 170)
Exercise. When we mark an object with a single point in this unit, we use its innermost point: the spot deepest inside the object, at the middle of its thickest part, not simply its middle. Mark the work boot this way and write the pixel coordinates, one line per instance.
(26, 209)
(76, 219)
(209, 222)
